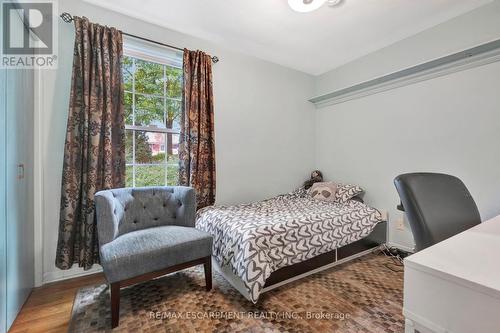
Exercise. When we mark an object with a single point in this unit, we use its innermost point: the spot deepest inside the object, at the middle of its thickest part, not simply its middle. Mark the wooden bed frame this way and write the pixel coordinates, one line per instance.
(319, 263)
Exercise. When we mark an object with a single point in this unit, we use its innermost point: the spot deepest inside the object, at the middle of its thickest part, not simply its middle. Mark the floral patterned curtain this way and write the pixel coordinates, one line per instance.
(197, 142)
(94, 152)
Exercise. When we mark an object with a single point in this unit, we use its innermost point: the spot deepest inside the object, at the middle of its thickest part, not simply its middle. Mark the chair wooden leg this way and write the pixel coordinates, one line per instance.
(208, 272)
(115, 304)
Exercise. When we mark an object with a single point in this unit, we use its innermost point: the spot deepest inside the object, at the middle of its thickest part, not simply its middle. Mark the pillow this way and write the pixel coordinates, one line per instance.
(324, 191)
(347, 192)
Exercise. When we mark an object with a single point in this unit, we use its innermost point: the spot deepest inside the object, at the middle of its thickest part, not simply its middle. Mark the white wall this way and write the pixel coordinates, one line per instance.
(449, 124)
(263, 122)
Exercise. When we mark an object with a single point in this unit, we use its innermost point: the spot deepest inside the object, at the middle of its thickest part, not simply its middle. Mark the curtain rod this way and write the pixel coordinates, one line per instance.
(68, 18)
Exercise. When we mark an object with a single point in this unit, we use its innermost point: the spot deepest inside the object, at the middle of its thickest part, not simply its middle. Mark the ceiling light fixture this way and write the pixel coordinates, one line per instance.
(305, 6)
(333, 3)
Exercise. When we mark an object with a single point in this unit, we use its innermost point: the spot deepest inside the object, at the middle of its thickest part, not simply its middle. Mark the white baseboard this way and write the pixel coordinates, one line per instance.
(60, 275)
(74, 272)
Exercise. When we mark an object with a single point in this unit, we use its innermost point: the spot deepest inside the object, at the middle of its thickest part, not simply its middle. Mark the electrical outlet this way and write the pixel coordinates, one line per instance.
(400, 224)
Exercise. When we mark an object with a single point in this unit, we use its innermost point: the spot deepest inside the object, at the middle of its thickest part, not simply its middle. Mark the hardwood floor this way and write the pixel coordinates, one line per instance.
(48, 308)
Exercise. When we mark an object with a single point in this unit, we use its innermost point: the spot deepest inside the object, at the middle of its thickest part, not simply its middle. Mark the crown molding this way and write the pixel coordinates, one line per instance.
(477, 56)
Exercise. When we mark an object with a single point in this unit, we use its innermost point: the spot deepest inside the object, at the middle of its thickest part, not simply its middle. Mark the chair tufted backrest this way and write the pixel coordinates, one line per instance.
(124, 210)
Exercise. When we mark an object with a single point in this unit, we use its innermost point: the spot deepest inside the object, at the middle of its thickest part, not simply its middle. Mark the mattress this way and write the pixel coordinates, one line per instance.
(253, 240)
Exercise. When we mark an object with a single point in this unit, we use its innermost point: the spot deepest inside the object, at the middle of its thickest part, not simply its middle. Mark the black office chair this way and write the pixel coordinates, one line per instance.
(437, 206)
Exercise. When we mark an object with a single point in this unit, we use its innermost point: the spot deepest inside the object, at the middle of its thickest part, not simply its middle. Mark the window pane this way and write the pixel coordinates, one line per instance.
(173, 175)
(129, 174)
(173, 159)
(127, 69)
(128, 146)
(150, 175)
(128, 105)
(148, 77)
(173, 114)
(149, 147)
(149, 111)
(174, 82)
(152, 99)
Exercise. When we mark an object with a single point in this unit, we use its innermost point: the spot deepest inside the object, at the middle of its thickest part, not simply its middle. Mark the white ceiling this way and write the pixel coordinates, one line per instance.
(313, 42)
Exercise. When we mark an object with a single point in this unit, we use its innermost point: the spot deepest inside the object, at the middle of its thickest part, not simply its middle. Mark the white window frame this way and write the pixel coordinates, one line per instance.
(150, 52)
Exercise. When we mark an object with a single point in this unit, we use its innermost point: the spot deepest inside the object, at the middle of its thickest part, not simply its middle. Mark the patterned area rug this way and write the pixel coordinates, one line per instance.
(359, 296)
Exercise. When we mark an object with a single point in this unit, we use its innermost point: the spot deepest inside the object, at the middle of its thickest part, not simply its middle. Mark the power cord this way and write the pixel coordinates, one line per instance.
(396, 255)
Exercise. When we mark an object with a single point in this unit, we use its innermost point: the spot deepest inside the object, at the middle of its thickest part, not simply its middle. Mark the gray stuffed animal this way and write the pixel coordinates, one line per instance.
(316, 177)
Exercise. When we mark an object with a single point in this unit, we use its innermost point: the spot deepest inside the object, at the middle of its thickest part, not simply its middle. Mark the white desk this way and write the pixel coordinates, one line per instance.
(454, 286)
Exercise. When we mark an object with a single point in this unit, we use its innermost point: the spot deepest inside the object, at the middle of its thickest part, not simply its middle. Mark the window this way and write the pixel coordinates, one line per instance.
(153, 89)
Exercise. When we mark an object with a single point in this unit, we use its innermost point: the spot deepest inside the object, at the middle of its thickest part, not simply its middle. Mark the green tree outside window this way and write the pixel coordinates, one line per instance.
(153, 102)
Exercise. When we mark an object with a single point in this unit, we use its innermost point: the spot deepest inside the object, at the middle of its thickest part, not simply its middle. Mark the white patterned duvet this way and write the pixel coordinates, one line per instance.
(257, 239)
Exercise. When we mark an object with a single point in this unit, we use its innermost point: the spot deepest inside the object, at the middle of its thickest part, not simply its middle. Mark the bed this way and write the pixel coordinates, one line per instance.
(262, 245)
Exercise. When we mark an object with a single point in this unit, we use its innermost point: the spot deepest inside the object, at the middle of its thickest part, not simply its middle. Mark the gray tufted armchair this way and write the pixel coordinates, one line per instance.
(148, 232)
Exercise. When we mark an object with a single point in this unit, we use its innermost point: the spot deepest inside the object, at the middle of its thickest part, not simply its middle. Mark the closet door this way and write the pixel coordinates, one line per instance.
(16, 189)
(3, 230)
(19, 203)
